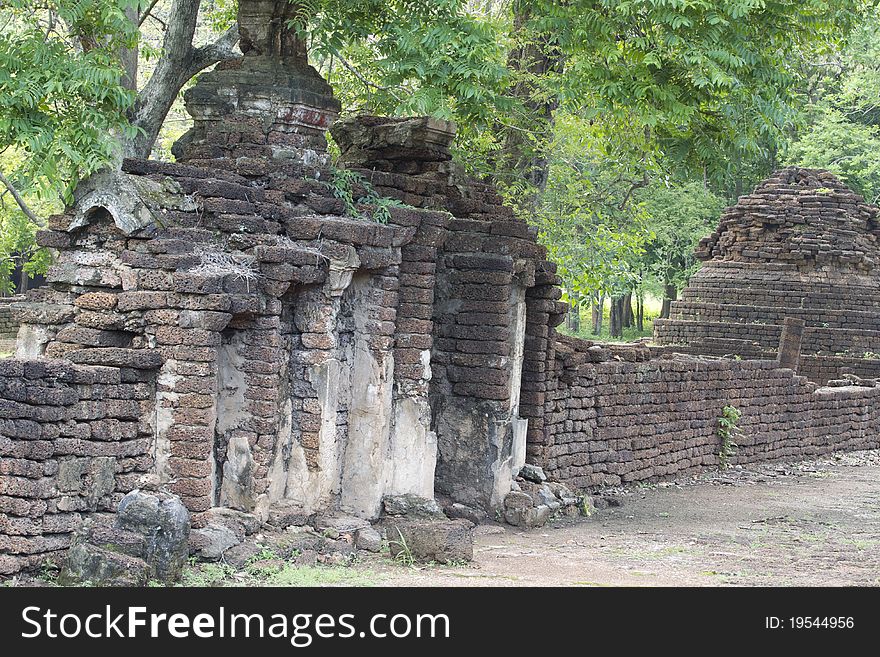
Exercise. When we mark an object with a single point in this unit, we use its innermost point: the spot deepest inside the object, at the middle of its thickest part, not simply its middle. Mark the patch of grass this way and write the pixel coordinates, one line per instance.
(293, 575)
(207, 574)
(49, 571)
(651, 554)
(404, 555)
(266, 569)
(653, 306)
(5, 354)
(860, 544)
(628, 334)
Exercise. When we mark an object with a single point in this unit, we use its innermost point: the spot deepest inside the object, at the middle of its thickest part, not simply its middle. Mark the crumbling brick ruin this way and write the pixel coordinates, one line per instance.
(261, 340)
(802, 246)
(8, 324)
(256, 332)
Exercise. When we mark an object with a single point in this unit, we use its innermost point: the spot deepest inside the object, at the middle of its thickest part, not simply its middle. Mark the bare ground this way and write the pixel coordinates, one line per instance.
(814, 523)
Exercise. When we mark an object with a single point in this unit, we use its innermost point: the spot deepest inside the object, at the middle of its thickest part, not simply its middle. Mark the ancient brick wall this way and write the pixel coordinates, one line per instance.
(73, 440)
(491, 303)
(611, 421)
(8, 323)
(254, 326)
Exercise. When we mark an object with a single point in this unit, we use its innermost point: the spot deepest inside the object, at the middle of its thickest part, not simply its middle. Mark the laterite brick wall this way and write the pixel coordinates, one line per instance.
(73, 441)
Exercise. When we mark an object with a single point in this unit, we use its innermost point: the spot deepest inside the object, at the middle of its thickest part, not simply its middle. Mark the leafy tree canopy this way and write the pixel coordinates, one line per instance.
(840, 130)
(62, 101)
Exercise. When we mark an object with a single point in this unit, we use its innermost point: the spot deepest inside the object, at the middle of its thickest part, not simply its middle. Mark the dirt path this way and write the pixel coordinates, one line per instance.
(812, 523)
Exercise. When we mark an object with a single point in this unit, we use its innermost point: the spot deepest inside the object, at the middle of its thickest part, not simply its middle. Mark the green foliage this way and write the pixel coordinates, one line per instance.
(710, 79)
(353, 190)
(679, 214)
(841, 128)
(18, 247)
(219, 14)
(728, 429)
(627, 334)
(17, 233)
(207, 574)
(404, 554)
(49, 571)
(663, 109)
(847, 148)
(407, 57)
(62, 103)
(586, 219)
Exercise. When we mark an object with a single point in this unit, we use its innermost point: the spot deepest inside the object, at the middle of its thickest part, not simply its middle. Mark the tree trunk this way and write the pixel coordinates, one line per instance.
(640, 311)
(615, 327)
(670, 293)
(523, 155)
(598, 310)
(627, 317)
(129, 56)
(178, 64)
(574, 313)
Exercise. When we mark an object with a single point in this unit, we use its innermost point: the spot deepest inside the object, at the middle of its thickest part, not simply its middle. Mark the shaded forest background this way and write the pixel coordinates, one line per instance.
(619, 128)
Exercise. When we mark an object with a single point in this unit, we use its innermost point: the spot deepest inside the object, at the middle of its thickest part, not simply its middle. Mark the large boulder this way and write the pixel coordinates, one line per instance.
(148, 541)
(163, 521)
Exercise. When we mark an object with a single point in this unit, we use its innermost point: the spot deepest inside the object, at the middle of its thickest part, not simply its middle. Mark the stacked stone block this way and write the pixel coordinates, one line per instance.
(613, 421)
(73, 440)
(8, 323)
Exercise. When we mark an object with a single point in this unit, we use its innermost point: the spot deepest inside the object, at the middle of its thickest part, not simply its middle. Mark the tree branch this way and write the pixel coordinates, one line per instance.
(147, 12)
(21, 202)
(633, 187)
(179, 62)
(364, 80)
(221, 50)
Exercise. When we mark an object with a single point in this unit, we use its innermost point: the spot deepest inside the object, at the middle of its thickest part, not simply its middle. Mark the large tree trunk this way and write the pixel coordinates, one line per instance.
(523, 156)
(180, 61)
(627, 317)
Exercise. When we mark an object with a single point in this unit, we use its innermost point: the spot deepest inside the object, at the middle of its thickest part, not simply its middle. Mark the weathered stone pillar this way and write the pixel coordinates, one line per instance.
(790, 343)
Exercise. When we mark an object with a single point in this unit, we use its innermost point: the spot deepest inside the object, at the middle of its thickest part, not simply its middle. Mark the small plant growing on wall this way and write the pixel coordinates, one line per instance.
(728, 429)
(344, 185)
